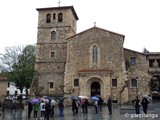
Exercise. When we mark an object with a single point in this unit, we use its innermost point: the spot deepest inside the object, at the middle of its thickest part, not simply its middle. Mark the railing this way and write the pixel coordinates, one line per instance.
(154, 70)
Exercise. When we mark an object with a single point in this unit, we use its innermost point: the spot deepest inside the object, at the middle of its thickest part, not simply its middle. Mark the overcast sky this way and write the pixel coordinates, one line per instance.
(138, 20)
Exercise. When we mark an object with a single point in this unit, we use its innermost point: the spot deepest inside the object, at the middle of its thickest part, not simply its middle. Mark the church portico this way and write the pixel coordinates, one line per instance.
(95, 83)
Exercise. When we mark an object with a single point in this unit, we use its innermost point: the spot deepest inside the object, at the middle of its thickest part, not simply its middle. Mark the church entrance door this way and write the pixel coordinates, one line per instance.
(95, 89)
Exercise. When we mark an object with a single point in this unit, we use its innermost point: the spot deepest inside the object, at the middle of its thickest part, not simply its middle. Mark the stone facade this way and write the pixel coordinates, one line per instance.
(139, 70)
(3, 86)
(92, 62)
(51, 52)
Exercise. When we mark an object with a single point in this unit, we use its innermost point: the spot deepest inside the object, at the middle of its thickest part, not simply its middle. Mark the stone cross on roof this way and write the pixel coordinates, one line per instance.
(94, 24)
(59, 3)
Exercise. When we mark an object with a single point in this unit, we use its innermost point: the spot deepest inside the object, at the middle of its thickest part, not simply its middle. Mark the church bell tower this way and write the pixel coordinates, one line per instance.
(55, 24)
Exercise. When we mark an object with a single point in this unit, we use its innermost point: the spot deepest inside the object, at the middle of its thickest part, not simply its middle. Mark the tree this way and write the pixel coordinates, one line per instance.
(36, 89)
(18, 65)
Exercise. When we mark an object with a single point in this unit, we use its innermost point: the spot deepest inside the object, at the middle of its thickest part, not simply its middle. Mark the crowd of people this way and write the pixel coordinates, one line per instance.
(46, 107)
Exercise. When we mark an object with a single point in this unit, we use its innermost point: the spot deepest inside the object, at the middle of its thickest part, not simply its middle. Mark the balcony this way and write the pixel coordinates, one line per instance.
(154, 70)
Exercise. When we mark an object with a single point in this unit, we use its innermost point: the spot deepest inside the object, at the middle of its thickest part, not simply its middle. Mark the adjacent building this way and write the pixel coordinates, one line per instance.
(3, 86)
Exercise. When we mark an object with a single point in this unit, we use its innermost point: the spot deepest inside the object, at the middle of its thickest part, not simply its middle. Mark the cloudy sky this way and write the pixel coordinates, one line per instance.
(138, 20)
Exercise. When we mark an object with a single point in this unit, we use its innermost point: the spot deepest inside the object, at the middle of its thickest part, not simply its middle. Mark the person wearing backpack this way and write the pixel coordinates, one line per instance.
(53, 103)
(96, 106)
(42, 109)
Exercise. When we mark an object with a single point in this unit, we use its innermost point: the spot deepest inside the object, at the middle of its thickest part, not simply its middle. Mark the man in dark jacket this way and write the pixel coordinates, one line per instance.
(30, 108)
(100, 102)
(74, 107)
(144, 104)
(47, 110)
(109, 104)
(137, 105)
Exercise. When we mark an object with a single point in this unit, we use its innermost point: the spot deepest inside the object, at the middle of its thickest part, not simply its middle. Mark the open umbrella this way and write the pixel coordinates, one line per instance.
(29, 100)
(35, 100)
(83, 97)
(62, 98)
(98, 96)
(53, 102)
(45, 97)
(72, 97)
(148, 97)
(94, 98)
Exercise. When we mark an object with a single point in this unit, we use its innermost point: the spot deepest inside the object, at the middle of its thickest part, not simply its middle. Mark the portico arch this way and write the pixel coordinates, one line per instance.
(95, 89)
(95, 86)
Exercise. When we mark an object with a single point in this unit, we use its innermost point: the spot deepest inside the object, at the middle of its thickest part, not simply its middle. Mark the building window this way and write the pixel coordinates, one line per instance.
(114, 82)
(151, 61)
(133, 60)
(48, 18)
(94, 54)
(53, 34)
(54, 16)
(76, 82)
(133, 83)
(52, 54)
(60, 17)
(51, 85)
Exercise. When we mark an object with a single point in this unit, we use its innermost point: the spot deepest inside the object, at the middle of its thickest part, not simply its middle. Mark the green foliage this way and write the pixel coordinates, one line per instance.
(18, 65)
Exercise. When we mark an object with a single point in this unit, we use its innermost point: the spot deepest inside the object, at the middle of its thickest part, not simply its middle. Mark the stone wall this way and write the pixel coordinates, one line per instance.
(51, 69)
(3, 86)
(110, 58)
(139, 71)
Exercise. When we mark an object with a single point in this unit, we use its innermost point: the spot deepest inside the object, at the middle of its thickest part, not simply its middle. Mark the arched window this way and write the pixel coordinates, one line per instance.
(60, 17)
(54, 16)
(48, 18)
(94, 54)
(53, 34)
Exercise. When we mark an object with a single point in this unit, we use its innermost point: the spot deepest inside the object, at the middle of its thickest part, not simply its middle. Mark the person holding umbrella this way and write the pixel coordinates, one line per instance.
(61, 108)
(74, 106)
(96, 106)
(30, 108)
(35, 103)
(95, 99)
(35, 109)
(42, 109)
(53, 103)
(86, 105)
(100, 102)
(144, 104)
(137, 105)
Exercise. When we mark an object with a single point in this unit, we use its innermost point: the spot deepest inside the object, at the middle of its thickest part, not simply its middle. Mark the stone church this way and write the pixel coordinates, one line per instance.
(92, 62)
